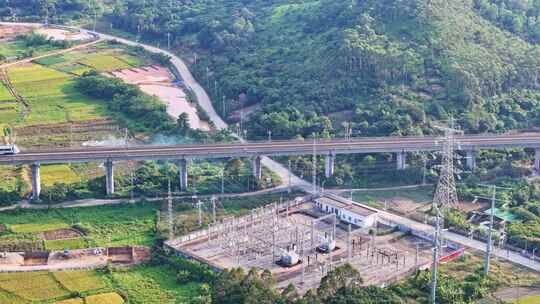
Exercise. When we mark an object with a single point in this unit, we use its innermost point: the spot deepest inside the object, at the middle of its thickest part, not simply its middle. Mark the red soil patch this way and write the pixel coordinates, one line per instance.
(62, 234)
(11, 31)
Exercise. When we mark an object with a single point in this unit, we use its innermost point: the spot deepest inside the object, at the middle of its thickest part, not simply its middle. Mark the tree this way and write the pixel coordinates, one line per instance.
(182, 123)
(342, 277)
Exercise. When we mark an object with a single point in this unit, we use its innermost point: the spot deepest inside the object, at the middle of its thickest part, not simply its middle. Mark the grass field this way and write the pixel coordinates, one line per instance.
(106, 298)
(528, 300)
(17, 48)
(154, 285)
(33, 286)
(419, 195)
(52, 174)
(119, 225)
(71, 301)
(66, 244)
(47, 287)
(35, 228)
(52, 96)
(104, 62)
(5, 94)
(9, 176)
(143, 284)
(80, 281)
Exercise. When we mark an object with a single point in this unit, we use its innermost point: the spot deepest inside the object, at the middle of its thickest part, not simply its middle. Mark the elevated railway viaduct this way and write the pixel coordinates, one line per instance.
(182, 154)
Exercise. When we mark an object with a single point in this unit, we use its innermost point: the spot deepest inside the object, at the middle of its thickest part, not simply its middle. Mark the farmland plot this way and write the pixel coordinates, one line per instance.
(80, 281)
(106, 298)
(52, 96)
(33, 286)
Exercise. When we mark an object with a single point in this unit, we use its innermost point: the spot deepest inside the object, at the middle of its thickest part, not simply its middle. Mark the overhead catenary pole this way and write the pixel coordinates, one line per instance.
(199, 205)
(213, 199)
(435, 260)
(170, 212)
(490, 232)
(314, 165)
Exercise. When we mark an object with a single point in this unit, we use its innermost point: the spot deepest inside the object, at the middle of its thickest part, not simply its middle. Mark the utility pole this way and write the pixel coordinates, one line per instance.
(489, 244)
(223, 180)
(290, 178)
(95, 15)
(223, 110)
(131, 189)
(424, 160)
(169, 41)
(435, 262)
(490, 232)
(314, 161)
(213, 199)
(199, 205)
(169, 207)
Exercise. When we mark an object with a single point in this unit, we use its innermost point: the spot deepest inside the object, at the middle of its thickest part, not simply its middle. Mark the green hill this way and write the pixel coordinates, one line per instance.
(395, 65)
(388, 66)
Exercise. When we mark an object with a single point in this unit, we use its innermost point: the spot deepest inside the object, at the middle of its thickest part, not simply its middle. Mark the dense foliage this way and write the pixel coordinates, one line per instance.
(126, 100)
(343, 285)
(390, 66)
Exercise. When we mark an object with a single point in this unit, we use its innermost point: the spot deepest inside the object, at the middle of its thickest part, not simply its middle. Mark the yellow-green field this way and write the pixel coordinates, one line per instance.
(104, 62)
(528, 300)
(80, 281)
(52, 174)
(58, 287)
(71, 301)
(69, 244)
(35, 228)
(32, 286)
(106, 298)
(52, 96)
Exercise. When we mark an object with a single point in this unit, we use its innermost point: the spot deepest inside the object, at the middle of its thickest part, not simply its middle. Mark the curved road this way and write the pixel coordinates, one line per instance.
(202, 97)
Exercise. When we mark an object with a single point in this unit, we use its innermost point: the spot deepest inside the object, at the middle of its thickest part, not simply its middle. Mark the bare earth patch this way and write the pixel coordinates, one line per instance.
(62, 234)
(158, 81)
(11, 31)
(59, 34)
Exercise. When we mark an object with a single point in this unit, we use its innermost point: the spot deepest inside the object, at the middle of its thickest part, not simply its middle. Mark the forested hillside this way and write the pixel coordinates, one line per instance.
(389, 66)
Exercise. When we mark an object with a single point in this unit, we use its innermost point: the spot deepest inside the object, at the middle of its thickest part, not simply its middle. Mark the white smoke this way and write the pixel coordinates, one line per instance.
(110, 141)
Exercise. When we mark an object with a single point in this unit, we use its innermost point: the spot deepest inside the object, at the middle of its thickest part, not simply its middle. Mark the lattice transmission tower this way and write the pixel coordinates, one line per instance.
(446, 194)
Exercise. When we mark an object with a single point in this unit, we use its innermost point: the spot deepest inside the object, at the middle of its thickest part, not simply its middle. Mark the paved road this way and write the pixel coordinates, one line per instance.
(91, 202)
(511, 256)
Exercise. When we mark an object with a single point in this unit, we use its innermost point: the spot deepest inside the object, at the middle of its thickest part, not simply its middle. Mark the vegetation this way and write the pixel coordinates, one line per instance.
(126, 100)
(51, 97)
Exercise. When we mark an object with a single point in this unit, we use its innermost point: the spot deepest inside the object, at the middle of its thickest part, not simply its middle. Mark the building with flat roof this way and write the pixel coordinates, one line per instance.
(347, 211)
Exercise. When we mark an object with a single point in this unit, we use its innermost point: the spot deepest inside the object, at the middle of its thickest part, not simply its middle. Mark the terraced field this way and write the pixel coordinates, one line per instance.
(58, 287)
(59, 174)
(52, 96)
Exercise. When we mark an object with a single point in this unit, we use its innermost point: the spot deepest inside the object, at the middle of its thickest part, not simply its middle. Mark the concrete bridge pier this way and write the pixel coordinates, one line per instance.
(109, 177)
(36, 181)
(257, 167)
(183, 172)
(537, 160)
(329, 165)
(471, 159)
(401, 160)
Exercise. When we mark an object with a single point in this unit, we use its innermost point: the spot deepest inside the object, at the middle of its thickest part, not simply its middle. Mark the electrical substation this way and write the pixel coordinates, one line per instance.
(301, 240)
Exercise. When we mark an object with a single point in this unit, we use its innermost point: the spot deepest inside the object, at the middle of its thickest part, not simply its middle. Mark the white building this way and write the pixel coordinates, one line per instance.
(347, 211)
